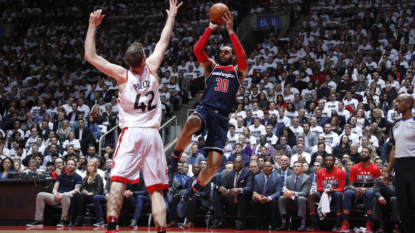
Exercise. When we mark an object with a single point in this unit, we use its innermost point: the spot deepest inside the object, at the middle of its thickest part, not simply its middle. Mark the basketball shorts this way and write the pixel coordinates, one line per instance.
(140, 147)
(217, 126)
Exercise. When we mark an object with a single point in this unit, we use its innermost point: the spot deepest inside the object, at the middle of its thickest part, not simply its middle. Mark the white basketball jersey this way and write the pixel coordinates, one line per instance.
(140, 105)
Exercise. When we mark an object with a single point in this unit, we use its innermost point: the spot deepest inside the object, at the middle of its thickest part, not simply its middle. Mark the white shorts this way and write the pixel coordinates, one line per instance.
(140, 147)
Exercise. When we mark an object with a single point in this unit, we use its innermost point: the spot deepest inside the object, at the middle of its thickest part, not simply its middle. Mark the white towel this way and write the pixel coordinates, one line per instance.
(324, 206)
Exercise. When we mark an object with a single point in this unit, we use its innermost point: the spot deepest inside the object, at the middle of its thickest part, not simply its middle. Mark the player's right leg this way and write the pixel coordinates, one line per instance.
(312, 199)
(114, 204)
(193, 124)
(349, 198)
(213, 166)
(158, 209)
(205, 176)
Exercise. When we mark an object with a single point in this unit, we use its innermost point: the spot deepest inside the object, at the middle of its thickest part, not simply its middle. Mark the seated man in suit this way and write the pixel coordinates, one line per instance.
(249, 120)
(136, 194)
(200, 198)
(285, 170)
(385, 199)
(84, 135)
(74, 114)
(225, 172)
(235, 192)
(295, 197)
(269, 185)
(332, 181)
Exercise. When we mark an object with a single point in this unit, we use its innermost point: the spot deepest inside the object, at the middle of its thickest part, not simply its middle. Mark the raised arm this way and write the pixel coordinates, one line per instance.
(237, 47)
(199, 50)
(157, 56)
(115, 71)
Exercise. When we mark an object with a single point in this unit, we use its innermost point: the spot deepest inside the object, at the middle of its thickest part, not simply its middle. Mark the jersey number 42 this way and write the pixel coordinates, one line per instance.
(142, 105)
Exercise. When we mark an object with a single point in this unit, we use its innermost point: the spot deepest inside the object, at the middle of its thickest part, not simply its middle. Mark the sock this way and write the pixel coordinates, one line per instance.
(369, 217)
(303, 221)
(313, 217)
(339, 217)
(345, 217)
(284, 220)
(195, 188)
(112, 223)
(223, 220)
(161, 229)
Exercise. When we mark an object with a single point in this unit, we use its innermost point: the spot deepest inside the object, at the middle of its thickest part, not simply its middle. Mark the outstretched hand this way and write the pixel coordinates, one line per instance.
(96, 18)
(228, 17)
(173, 8)
(213, 26)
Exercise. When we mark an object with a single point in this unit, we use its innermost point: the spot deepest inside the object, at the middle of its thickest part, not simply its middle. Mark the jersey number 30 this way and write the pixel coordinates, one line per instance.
(141, 105)
(222, 85)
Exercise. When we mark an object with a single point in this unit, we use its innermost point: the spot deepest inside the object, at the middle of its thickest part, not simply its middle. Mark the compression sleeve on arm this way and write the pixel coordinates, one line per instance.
(198, 50)
(240, 52)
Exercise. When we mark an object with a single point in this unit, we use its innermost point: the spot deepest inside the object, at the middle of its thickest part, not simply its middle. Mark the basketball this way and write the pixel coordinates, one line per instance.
(216, 12)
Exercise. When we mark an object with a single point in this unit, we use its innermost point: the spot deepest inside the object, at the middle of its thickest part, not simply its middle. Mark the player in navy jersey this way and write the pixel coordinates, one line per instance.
(223, 81)
(361, 183)
(331, 180)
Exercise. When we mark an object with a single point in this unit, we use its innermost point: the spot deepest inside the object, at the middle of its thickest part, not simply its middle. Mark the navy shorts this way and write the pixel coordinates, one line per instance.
(217, 126)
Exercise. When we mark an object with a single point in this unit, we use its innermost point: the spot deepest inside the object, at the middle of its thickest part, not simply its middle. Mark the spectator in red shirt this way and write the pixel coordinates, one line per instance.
(59, 168)
(316, 75)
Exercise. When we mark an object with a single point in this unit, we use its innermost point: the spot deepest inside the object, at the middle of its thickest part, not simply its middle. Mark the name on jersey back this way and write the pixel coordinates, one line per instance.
(142, 85)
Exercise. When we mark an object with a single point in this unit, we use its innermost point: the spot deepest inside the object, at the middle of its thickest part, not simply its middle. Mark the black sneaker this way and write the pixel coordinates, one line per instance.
(36, 223)
(396, 228)
(381, 229)
(313, 227)
(337, 227)
(61, 223)
(133, 224)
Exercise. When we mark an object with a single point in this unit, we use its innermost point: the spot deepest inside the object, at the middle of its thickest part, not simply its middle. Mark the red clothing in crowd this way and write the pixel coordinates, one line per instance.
(337, 179)
(320, 78)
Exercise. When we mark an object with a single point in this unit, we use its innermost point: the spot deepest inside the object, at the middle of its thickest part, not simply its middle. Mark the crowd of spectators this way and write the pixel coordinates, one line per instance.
(329, 90)
(51, 95)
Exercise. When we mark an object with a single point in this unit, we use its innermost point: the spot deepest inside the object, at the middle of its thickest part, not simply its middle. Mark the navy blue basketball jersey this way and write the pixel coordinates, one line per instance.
(222, 87)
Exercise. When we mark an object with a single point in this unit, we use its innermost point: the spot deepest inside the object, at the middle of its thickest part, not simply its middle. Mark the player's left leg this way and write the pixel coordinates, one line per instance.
(114, 204)
(193, 124)
(125, 169)
(158, 209)
(369, 207)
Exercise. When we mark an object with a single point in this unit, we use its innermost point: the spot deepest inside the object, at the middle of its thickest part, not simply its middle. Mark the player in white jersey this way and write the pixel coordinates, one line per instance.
(140, 114)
